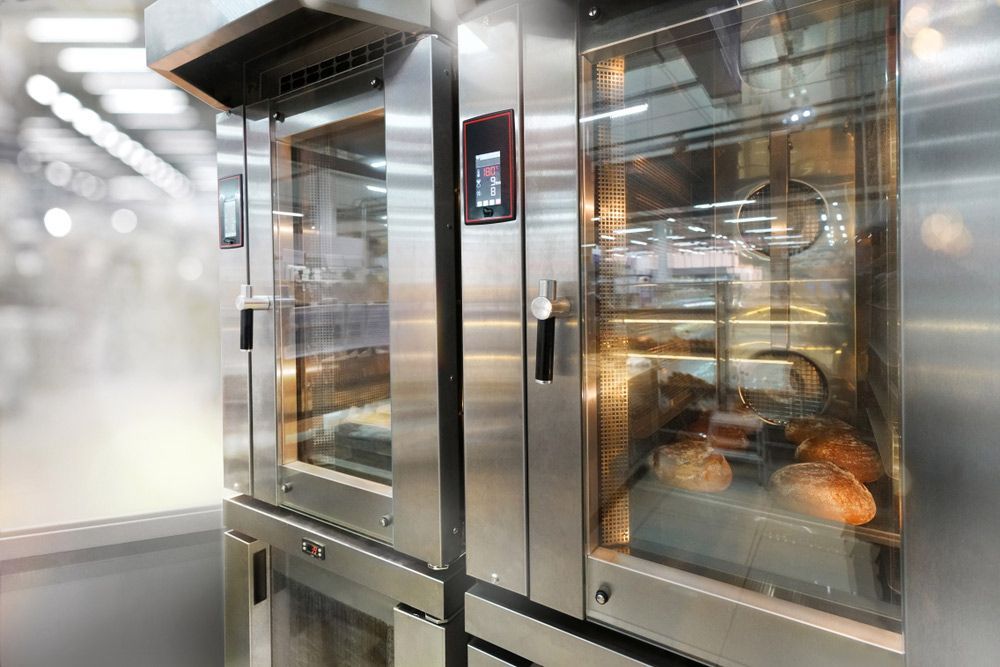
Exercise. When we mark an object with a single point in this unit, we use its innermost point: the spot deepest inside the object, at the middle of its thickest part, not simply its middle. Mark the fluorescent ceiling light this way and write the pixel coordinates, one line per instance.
(633, 230)
(721, 204)
(99, 83)
(91, 59)
(42, 89)
(617, 113)
(65, 106)
(758, 218)
(57, 222)
(695, 228)
(69, 29)
(184, 120)
(144, 101)
(639, 242)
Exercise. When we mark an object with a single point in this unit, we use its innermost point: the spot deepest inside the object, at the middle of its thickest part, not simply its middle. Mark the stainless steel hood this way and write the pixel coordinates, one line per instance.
(201, 45)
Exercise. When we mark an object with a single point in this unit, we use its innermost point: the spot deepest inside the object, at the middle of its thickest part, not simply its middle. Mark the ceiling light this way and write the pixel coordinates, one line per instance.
(57, 222)
(144, 100)
(90, 59)
(722, 204)
(87, 122)
(67, 29)
(42, 89)
(378, 164)
(99, 83)
(695, 228)
(65, 106)
(617, 113)
(376, 188)
(186, 119)
(758, 218)
(633, 230)
(124, 221)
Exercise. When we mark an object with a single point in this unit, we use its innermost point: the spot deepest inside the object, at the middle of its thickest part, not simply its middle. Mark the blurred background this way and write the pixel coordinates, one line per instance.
(110, 430)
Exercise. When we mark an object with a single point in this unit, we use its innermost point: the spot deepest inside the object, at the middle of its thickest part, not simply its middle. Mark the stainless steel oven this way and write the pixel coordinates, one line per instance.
(340, 342)
(339, 254)
(700, 396)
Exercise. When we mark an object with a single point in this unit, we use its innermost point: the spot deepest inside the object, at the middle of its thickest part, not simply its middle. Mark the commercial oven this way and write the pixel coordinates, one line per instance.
(725, 300)
(339, 292)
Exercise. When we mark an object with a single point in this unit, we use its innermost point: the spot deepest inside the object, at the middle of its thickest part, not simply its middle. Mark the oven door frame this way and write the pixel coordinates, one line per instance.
(420, 513)
(695, 615)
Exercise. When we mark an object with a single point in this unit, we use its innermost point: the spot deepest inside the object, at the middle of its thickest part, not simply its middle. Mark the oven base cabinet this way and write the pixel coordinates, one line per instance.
(299, 592)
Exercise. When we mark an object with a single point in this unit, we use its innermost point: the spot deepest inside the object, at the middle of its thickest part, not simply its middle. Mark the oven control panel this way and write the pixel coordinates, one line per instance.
(313, 549)
(490, 190)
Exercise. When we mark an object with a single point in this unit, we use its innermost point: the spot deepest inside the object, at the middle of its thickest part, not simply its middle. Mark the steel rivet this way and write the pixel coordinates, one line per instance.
(602, 596)
(593, 13)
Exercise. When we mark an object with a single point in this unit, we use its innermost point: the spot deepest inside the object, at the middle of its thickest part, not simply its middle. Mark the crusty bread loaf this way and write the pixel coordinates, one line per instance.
(692, 465)
(822, 490)
(804, 428)
(845, 450)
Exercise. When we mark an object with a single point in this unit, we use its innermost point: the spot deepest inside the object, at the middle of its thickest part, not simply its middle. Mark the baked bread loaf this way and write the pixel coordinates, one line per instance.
(843, 449)
(822, 490)
(692, 465)
(804, 428)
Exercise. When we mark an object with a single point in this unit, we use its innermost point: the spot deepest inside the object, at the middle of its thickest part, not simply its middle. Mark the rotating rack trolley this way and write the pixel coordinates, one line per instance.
(341, 369)
(728, 273)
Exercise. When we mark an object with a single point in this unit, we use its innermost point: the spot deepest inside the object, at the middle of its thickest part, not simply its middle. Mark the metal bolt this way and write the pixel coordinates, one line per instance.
(385, 520)
(278, 117)
(285, 488)
(602, 596)
(375, 82)
(495, 578)
(594, 12)
(454, 531)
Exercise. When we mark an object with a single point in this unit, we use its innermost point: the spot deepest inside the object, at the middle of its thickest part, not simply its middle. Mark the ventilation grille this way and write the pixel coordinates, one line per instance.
(345, 61)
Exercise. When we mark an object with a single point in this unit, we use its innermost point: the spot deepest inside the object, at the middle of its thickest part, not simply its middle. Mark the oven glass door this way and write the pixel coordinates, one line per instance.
(331, 276)
(741, 273)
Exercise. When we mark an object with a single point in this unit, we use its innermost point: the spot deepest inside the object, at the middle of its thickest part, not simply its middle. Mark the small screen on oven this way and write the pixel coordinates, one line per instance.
(488, 190)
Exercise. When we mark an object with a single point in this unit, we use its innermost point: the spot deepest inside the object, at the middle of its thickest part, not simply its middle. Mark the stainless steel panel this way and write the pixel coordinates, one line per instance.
(260, 246)
(437, 593)
(418, 642)
(556, 520)
(950, 139)
(726, 624)
(548, 638)
(235, 362)
(480, 656)
(354, 503)
(248, 625)
(423, 296)
(492, 332)
(352, 96)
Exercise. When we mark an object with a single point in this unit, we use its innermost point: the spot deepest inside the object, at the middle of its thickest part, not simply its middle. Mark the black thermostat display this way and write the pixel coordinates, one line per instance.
(231, 212)
(490, 195)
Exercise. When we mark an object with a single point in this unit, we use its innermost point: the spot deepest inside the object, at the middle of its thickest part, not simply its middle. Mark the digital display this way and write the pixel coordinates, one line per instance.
(490, 191)
(310, 548)
(488, 180)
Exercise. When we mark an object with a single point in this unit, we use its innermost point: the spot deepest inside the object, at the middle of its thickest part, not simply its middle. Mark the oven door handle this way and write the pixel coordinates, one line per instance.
(246, 303)
(546, 307)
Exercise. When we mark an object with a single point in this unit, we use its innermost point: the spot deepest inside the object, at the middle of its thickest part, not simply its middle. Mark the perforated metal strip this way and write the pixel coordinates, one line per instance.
(612, 341)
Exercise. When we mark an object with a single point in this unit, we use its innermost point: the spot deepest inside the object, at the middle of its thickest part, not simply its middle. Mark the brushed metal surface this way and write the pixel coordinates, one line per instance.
(556, 520)
(418, 642)
(542, 636)
(726, 624)
(423, 298)
(437, 593)
(492, 328)
(950, 140)
(235, 363)
(263, 361)
(247, 625)
(481, 654)
(348, 501)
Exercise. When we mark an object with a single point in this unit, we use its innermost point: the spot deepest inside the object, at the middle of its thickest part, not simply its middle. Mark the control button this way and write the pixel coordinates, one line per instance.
(488, 212)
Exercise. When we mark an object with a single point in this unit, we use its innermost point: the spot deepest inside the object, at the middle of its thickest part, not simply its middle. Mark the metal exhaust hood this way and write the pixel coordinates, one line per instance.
(200, 45)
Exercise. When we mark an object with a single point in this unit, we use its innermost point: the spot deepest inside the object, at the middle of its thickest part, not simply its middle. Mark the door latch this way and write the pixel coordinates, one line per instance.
(246, 303)
(546, 307)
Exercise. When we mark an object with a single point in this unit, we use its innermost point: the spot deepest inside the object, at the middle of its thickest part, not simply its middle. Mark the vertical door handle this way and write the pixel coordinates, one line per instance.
(246, 303)
(546, 307)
